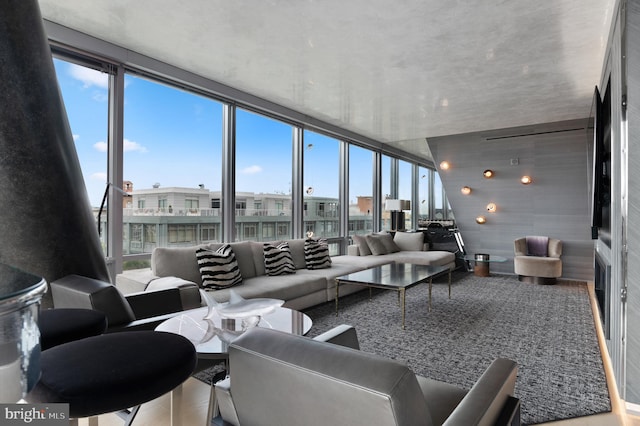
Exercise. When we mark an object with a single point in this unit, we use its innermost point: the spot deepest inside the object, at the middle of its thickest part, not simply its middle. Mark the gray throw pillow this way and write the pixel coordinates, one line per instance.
(363, 247)
(389, 245)
(376, 245)
(409, 241)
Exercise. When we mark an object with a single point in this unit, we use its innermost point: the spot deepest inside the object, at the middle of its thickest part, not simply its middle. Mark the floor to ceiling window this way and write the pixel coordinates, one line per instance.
(321, 156)
(85, 93)
(388, 192)
(172, 166)
(405, 189)
(264, 152)
(424, 179)
(360, 190)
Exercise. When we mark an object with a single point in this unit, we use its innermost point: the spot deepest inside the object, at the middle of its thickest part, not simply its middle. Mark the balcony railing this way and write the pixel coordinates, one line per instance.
(170, 212)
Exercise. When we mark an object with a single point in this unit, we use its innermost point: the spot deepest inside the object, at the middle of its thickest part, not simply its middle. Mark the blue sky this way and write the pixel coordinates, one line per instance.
(174, 138)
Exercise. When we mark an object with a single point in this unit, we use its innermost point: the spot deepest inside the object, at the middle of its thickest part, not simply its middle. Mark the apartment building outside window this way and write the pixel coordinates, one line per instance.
(321, 155)
(361, 161)
(171, 142)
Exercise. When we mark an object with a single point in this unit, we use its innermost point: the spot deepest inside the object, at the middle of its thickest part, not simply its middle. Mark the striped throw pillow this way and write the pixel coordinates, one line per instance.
(278, 260)
(219, 269)
(316, 254)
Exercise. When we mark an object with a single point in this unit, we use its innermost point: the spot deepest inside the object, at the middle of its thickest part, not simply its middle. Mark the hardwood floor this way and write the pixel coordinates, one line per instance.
(195, 400)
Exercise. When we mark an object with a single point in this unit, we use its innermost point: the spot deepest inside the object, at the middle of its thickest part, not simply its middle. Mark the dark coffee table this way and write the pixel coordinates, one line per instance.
(394, 276)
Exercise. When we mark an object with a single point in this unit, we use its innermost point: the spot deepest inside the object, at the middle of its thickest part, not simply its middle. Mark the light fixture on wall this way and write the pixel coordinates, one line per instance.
(488, 174)
(481, 220)
(444, 165)
(491, 207)
(526, 180)
(465, 190)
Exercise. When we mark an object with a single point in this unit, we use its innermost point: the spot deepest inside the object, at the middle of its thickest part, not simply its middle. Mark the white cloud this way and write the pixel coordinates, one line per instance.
(128, 146)
(251, 170)
(101, 146)
(75, 137)
(133, 146)
(89, 77)
(100, 97)
(99, 176)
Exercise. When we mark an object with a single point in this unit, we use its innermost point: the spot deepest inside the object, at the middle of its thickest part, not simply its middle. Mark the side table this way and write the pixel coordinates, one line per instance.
(482, 261)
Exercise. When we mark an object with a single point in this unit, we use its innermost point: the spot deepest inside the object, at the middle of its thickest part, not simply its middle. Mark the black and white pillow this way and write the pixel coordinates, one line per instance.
(219, 269)
(316, 254)
(278, 260)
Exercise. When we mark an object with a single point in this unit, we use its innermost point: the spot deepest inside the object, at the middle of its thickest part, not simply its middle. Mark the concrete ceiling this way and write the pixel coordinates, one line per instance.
(394, 71)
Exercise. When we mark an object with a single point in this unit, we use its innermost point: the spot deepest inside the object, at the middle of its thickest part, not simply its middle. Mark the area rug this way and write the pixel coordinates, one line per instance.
(548, 330)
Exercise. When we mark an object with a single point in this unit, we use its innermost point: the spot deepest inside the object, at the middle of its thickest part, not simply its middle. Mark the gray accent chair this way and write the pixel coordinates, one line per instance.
(137, 311)
(284, 379)
(538, 269)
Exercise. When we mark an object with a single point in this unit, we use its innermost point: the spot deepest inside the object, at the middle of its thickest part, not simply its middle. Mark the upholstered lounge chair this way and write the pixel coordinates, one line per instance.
(284, 379)
(537, 259)
(138, 311)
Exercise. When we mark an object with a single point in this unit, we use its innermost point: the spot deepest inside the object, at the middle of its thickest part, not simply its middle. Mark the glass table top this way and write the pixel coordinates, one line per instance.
(212, 337)
(492, 258)
(394, 275)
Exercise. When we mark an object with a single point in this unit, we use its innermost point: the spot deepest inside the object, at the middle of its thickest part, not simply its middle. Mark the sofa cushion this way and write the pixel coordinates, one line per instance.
(375, 245)
(537, 246)
(387, 240)
(284, 287)
(432, 257)
(177, 262)
(316, 254)
(278, 260)
(296, 247)
(381, 244)
(219, 269)
(363, 246)
(410, 241)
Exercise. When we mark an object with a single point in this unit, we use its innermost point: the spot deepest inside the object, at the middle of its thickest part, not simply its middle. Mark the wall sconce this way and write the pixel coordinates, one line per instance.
(465, 190)
(488, 174)
(491, 207)
(444, 165)
(481, 220)
(526, 180)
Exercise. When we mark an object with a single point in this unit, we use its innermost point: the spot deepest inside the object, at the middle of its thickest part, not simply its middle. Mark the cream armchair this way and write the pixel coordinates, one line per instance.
(537, 259)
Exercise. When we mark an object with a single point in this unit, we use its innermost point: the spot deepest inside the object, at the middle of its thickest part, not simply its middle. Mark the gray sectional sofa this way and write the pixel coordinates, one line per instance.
(177, 267)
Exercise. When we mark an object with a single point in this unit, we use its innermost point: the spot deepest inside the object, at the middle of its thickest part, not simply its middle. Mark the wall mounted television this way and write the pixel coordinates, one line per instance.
(599, 133)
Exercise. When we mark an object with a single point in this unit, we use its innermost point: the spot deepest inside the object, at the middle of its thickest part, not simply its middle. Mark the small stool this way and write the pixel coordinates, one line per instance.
(113, 372)
(59, 326)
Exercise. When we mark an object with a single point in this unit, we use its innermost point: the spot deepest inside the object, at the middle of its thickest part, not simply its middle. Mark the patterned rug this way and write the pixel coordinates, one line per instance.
(548, 330)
